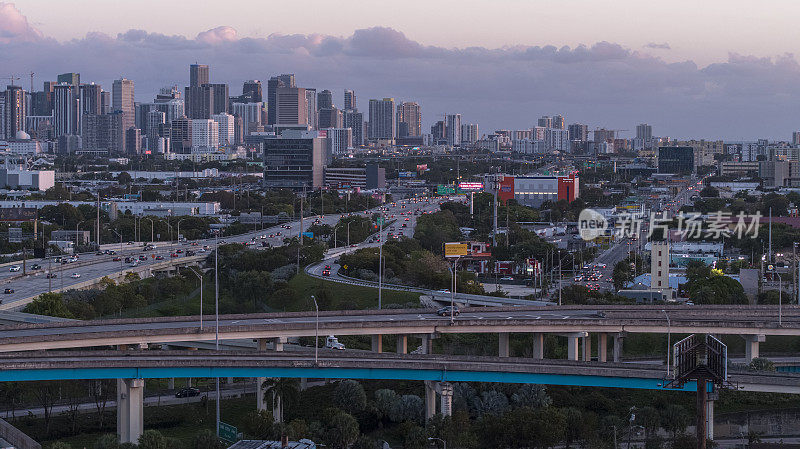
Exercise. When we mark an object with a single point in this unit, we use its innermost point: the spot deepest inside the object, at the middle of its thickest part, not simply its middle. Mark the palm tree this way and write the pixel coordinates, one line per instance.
(280, 391)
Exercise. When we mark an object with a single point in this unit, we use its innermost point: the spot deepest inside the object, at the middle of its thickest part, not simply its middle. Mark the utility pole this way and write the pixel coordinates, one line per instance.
(380, 258)
(300, 233)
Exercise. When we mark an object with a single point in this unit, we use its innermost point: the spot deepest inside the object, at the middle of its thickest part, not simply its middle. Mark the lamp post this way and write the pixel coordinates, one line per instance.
(76, 232)
(199, 276)
(216, 311)
(444, 443)
(316, 332)
(178, 234)
(669, 337)
(152, 227)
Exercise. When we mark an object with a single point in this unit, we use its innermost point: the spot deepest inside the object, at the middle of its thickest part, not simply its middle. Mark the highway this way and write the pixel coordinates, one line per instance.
(359, 365)
(724, 320)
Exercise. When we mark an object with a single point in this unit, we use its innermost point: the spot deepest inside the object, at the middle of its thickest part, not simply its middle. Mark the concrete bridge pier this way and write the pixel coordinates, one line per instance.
(618, 339)
(712, 396)
(377, 343)
(427, 343)
(171, 383)
(587, 348)
(261, 403)
(402, 344)
(503, 347)
(751, 346)
(538, 345)
(130, 408)
(602, 347)
(573, 348)
(445, 391)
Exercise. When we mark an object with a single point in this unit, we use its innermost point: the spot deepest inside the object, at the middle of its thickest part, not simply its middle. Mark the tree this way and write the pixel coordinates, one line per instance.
(50, 304)
(107, 441)
(365, 442)
(349, 396)
(342, 431)
(574, 426)
(650, 419)
(674, 419)
(408, 408)
(709, 192)
(206, 439)
(60, 445)
(257, 424)
(492, 402)
(124, 178)
(152, 439)
(761, 364)
(385, 400)
(531, 395)
(281, 391)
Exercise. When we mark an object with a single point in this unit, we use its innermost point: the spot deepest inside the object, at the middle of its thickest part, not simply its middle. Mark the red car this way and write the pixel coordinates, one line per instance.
(173, 255)
(326, 272)
(116, 259)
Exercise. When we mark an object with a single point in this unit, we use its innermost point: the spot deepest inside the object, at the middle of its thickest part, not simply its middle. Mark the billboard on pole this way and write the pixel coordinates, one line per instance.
(455, 249)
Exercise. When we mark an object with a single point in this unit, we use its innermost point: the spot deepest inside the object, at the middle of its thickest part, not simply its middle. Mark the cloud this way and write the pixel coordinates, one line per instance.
(601, 84)
(14, 27)
(657, 46)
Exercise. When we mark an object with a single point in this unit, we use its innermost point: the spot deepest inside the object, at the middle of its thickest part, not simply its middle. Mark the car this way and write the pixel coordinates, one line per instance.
(142, 257)
(326, 272)
(174, 255)
(327, 267)
(75, 275)
(179, 251)
(8, 291)
(187, 392)
(506, 278)
(189, 253)
(117, 259)
(444, 290)
(36, 266)
(159, 257)
(99, 253)
(447, 311)
(51, 275)
(14, 268)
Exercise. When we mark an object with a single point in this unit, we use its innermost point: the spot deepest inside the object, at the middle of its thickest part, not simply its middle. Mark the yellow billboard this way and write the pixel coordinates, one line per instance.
(455, 249)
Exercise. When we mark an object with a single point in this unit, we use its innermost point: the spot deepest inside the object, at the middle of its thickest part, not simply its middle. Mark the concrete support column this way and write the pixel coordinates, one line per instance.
(538, 345)
(277, 409)
(712, 396)
(189, 382)
(427, 344)
(377, 343)
(602, 347)
(587, 348)
(402, 344)
(277, 344)
(130, 407)
(262, 344)
(303, 383)
(430, 399)
(618, 338)
(261, 403)
(446, 390)
(572, 348)
(751, 346)
(171, 383)
(503, 349)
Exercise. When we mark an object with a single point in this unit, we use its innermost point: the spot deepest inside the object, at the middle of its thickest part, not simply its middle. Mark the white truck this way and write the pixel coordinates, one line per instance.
(333, 343)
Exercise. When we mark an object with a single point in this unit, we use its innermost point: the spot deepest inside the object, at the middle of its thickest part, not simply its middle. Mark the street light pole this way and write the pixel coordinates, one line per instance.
(199, 276)
(152, 227)
(669, 338)
(316, 332)
(380, 259)
(216, 312)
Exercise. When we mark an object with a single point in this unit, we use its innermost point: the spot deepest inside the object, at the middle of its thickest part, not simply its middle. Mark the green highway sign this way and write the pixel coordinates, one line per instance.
(445, 190)
(228, 432)
(381, 221)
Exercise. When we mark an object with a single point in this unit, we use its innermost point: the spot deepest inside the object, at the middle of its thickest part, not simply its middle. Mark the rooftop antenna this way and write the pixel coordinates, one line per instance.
(32, 81)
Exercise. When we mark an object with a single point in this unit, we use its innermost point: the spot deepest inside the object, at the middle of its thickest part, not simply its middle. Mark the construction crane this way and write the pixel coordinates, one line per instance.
(12, 78)
(615, 131)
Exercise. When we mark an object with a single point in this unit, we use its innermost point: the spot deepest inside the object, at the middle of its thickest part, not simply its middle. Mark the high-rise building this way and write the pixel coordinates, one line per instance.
(219, 94)
(180, 137)
(225, 126)
(91, 99)
(290, 106)
(311, 107)
(382, 119)
(354, 120)
(545, 122)
(659, 261)
(579, 132)
(155, 122)
(296, 160)
(676, 159)
(66, 111)
(43, 101)
(469, 133)
(453, 132)
(69, 78)
(198, 75)
(274, 83)
(122, 100)
(133, 141)
(339, 140)
(105, 102)
(350, 100)
(796, 138)
(410, 113)
(558, 122)
(205, 135)
(249, 112)
(604, 135)
(330, 118)
(199, 101)
(439, 132)
(103, 132)
(15, 111)
(324, 100)
(252, 91)
(644, 132)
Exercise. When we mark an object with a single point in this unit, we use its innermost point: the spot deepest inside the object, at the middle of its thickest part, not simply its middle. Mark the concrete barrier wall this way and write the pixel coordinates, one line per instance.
(16, 437)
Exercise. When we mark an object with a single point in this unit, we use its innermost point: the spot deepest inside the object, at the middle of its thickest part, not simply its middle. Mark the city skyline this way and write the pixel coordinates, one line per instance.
(603, 84)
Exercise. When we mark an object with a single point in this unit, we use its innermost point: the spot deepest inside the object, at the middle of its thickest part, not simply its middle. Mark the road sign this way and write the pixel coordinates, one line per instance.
(381, 221)
(455, 249)
(470, 186)
(445, 190)
(228, 432)
(308, 234)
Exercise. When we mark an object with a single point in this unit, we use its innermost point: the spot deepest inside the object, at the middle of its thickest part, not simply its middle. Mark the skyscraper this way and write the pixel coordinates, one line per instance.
(579, 131)
(453, 133)
(155, 122)
(290, 106)
(545, 122)
(252, 91)
(350, 100)
(274, 83)
(324, 100)
(469, 133)
(354, 120)
(644, 131)
(199, 101)
(219, 94)
(329, 118)
(91, 99)
(382, 119)
(15, 111)
(410, 113)
(558, 122)
(205, 135)
(198, 75)
(69, 78)
(311, 107)
(225, 124)
(122, 100)
(66, 110)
